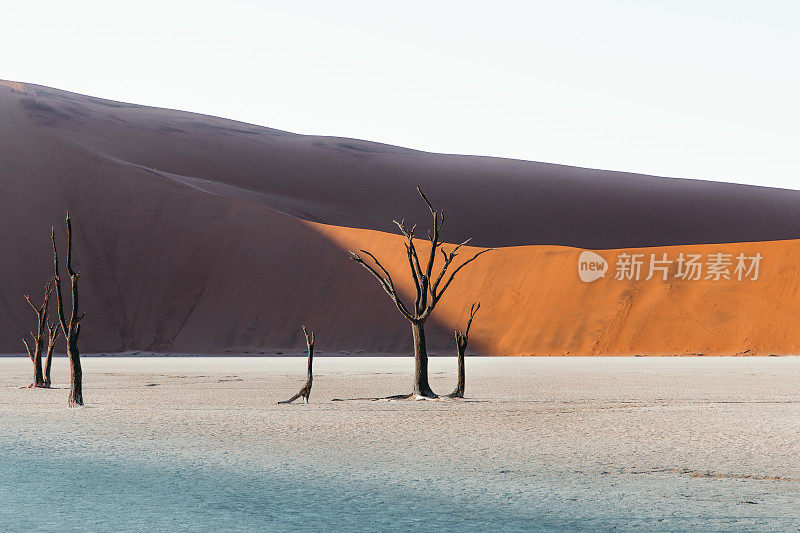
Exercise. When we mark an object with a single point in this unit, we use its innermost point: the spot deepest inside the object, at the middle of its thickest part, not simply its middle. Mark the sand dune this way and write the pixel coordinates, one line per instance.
(354, 183)
(533, 302)
(203, 235)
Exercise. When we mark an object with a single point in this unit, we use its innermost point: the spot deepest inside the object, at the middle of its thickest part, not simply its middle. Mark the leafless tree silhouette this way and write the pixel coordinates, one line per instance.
(462, 338)
(305, 392)
(71, 328)
(35, 352)
(429, 288)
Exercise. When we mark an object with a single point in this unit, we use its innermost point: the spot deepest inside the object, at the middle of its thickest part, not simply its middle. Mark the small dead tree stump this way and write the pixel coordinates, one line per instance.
(462, 338)
(305, 392)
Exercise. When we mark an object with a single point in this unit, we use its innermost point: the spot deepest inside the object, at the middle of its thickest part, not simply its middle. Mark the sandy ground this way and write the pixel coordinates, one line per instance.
(542, 443)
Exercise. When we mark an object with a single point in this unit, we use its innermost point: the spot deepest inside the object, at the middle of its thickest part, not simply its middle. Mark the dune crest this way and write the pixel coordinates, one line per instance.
(13, 85)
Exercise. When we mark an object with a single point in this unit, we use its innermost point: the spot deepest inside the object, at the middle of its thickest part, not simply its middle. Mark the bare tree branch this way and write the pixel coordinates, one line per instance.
(448, 258)
(456, 271)
(30, 352)
(433, 234)
(53, 332)
(62, 319)
(472, 312)
(415, 257)
(411, 250)
(386, 283)
(69, 246)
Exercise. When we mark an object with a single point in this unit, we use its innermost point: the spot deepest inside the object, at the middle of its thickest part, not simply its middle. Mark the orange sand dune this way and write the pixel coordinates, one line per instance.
(533, 302)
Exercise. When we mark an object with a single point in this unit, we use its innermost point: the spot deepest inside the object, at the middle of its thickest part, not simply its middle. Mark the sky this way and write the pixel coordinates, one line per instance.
(684, 88)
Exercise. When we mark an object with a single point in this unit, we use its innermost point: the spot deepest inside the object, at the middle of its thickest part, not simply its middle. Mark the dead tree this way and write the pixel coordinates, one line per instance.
(462, 338)
(53, 332)
(71, 328)
(35, 352)
(305, 392)
(429, 288)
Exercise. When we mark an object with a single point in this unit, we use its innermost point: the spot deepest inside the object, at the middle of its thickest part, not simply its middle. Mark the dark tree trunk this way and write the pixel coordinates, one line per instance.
(459, 392)
(310, 367)
(462, 338)
(38, 377)
(75, 375)
(52, 335)
(421, 386)
(47, 362)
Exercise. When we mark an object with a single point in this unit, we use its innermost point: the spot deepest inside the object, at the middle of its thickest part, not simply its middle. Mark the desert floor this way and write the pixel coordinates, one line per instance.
(188, 443)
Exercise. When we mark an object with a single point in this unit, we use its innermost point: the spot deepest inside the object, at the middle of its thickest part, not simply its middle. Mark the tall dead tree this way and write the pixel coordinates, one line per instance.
(53, 332)
(35, 352)
(462, 338)
(429, 287)
(305, 392)
(71, 328)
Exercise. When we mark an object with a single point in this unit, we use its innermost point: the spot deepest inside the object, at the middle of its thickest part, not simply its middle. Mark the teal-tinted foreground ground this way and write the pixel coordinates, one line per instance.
(194, 444)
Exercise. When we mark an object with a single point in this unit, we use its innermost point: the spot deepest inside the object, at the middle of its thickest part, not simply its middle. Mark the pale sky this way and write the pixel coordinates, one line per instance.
(693, 89)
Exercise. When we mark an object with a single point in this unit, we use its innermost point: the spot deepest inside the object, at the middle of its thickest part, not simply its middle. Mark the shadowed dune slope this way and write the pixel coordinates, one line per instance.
(353, 183)
(202, 235)
(167, 268)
